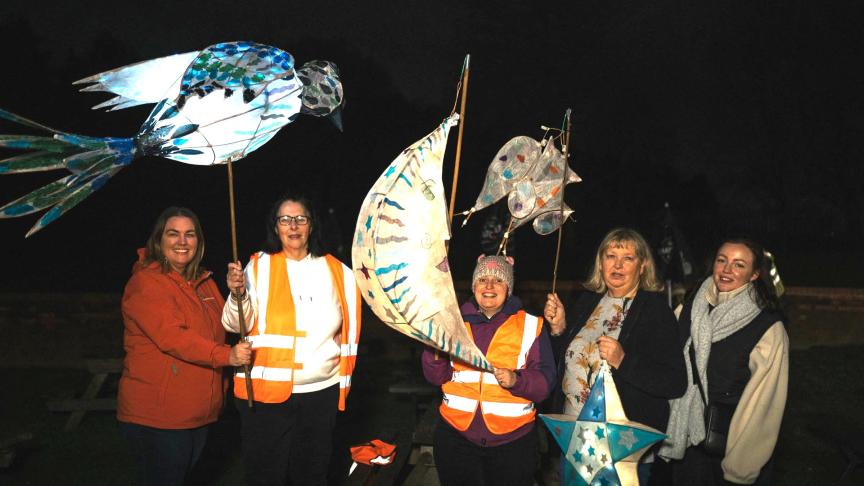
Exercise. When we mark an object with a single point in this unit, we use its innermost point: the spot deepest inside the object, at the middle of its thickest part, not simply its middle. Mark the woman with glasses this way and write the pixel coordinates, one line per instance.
(302, 314)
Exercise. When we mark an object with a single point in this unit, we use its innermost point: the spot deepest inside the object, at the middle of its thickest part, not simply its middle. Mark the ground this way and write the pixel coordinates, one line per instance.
(825, 402)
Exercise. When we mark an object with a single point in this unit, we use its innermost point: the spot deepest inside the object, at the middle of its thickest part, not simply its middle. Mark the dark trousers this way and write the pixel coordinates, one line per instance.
(460, 461)
(698, 468)
(292, 439)
(164, 456)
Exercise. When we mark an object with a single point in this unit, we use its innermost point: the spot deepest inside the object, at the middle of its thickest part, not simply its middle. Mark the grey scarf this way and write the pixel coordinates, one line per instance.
(686, 418)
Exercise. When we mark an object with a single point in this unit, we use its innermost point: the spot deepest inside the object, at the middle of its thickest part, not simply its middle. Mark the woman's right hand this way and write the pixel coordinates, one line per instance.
(235, 279)
(554, 314)
(241, 354)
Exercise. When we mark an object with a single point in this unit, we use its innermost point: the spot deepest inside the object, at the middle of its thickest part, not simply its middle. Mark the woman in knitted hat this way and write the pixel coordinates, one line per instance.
(487, 435)
(624, 320)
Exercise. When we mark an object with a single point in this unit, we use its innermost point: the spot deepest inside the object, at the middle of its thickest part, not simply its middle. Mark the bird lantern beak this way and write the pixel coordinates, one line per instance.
(336, 118)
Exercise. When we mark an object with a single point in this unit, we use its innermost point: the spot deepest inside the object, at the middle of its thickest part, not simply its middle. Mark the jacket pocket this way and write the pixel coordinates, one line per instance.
(169, 372)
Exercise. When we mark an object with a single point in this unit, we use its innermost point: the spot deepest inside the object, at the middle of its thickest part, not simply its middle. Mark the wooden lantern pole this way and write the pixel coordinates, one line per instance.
(563, 185)
(247, 370)
(463, 88)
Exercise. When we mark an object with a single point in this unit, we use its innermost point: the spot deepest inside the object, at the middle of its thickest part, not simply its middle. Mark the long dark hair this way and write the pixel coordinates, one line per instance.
(272, 244)
(154, 253)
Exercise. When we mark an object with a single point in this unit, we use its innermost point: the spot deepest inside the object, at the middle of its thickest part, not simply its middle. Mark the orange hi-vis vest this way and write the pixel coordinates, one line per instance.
(470, 387)
(273, 368)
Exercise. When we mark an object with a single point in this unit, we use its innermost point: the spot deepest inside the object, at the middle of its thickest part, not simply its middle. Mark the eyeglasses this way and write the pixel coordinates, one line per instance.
(300, 220)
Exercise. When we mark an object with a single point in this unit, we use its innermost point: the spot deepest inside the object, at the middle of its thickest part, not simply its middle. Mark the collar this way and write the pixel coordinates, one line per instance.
(715, 298)
(172, 274)
(471, 311)
(306, 259)
(629, 295)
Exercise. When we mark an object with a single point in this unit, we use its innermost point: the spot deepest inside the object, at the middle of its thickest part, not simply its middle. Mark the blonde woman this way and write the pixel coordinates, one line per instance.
(623, 319)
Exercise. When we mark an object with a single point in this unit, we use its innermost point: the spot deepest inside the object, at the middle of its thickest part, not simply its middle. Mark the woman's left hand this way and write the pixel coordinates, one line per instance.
(610, 350)
(506, 378)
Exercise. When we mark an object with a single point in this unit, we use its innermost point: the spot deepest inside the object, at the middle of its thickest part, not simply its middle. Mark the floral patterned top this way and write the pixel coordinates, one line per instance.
(582, 358)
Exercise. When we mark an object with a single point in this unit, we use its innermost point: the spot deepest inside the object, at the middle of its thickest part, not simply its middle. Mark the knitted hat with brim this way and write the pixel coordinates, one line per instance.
(494, 266)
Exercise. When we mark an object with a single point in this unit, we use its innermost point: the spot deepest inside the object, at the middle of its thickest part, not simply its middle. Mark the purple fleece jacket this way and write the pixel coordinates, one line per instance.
(533, 382)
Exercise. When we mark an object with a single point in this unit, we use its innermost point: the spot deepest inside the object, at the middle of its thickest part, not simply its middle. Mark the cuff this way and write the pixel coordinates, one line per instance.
(221, 356)
(628, 364)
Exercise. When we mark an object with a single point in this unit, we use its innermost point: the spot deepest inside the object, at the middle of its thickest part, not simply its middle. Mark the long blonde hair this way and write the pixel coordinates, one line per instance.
(620, 238)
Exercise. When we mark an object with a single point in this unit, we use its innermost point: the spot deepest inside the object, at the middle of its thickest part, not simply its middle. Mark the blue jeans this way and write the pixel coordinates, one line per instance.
(164, 456)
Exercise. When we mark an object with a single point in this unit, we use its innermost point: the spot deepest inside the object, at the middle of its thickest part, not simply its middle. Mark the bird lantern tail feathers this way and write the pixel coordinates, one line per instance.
(91, 161)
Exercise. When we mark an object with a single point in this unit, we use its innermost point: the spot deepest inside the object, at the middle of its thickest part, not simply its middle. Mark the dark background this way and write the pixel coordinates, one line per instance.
(747, 117)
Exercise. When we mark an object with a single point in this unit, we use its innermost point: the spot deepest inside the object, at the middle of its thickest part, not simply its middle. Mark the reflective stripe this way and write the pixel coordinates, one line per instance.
(466, 376)
(349, 290)
(262, 287)
(345, 381)
(503, 409)
(529, 334)
(489, 379)
(269, 374)
(473, 376)
(272, 341)
(460, 403)
(349, 349)
(349, 303)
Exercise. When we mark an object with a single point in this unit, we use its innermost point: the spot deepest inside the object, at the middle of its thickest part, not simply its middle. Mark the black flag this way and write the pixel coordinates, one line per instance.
(674, 261)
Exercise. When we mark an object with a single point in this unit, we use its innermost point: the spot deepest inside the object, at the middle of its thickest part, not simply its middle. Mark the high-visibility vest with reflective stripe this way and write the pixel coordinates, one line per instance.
(471, 387)
(273, 369)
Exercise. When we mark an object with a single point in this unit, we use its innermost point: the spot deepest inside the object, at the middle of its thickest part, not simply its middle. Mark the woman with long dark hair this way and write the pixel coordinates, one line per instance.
(737, 353)
(302, 311)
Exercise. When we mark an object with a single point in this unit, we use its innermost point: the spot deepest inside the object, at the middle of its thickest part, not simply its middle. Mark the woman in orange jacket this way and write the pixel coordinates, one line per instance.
(171, 388)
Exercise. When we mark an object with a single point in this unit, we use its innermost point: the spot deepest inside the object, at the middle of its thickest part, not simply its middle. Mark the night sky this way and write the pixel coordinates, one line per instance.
(748, 118)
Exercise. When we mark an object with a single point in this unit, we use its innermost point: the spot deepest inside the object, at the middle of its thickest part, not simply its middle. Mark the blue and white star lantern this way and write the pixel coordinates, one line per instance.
(601, 445)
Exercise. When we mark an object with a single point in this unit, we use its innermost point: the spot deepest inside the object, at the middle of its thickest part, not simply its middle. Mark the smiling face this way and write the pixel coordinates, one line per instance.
(621, 268)
(733, 267)
(179, 242)
(294, 237)
(490, 292)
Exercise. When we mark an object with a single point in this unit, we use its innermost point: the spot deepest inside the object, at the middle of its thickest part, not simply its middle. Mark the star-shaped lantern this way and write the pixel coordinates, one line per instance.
(601, 446)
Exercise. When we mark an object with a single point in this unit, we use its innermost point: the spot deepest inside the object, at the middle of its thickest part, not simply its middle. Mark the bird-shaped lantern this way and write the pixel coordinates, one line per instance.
(212, 106)
(532, 175)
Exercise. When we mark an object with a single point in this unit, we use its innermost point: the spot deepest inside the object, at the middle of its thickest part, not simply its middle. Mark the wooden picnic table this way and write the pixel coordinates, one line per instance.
(89, 401)
(9, 445)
